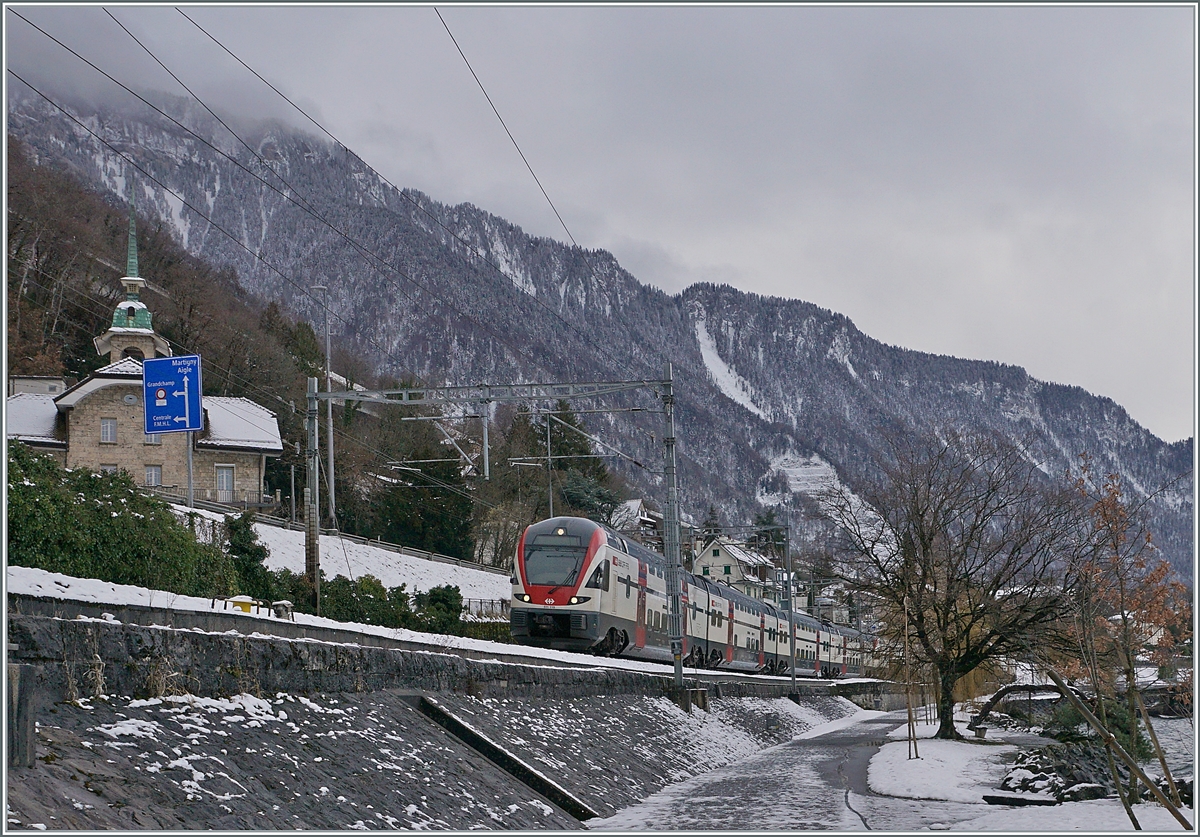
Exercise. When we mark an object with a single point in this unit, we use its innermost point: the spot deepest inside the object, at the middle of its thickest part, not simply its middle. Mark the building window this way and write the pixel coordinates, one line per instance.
(108, 431)
(705, 569)
(716, 553)
(108, 469)
(727, 569)
(153, 438)
(224, 483)
(153, 475)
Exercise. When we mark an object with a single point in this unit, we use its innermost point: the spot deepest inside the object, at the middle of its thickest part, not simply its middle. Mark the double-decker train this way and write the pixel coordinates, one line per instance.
(581, 586)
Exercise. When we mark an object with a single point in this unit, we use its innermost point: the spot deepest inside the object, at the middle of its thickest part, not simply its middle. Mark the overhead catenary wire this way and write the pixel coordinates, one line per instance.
(287, 195)
(297, 286)
(215, 226)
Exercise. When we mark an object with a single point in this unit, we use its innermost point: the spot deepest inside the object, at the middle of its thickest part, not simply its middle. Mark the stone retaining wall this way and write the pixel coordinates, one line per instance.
(149, 651)
(80, 657)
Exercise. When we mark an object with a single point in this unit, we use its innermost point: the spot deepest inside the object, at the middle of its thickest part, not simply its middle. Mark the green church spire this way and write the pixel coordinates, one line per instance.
(131, 266)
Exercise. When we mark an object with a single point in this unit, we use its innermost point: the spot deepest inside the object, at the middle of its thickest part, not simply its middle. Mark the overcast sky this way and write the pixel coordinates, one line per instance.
(1006, 183)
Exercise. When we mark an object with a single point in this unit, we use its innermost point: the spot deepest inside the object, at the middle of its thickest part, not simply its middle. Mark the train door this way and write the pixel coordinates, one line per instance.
(729, 639)
(702, 614)
(762, 639)
(817, 656)
(639, 630)
(683, 617)
(793, 651)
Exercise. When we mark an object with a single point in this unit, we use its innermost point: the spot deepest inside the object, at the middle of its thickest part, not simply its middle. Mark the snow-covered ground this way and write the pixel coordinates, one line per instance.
(808, 784)
(344, 557)
(962, 771)
(723, 375)
(952, 770)
(340, 556)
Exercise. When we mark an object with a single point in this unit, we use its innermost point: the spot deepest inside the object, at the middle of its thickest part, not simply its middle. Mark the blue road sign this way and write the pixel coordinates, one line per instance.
(171, 392)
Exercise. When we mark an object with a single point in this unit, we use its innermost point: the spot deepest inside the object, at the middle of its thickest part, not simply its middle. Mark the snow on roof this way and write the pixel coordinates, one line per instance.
(744, 556)
(129, 330)
(631, 513)
(30, 417)
(239, 423)
(124, 366)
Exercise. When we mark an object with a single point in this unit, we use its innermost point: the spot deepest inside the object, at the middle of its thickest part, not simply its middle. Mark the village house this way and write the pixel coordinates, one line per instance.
(99, 423)
(721, 559)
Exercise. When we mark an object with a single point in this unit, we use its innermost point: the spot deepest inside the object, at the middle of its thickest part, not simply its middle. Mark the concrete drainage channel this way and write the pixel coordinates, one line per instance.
(502, 758)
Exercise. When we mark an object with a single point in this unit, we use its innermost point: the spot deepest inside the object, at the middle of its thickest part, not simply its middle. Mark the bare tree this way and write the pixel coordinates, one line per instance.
(969, 536)
(1127, 600)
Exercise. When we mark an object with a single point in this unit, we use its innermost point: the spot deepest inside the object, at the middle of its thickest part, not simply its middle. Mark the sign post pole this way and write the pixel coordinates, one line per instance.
(191, 496)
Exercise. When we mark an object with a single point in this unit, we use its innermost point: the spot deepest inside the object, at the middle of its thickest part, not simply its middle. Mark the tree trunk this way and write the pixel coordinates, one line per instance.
(946, 681)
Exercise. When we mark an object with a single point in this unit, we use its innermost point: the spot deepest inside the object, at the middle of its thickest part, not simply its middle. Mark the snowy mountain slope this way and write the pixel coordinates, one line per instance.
(760, 381)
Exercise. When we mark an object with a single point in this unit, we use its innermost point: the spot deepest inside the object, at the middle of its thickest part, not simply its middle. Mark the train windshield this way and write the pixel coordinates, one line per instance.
(554, 559)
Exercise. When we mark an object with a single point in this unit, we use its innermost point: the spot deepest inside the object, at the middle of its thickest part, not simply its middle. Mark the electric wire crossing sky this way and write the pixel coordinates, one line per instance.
(171, 390)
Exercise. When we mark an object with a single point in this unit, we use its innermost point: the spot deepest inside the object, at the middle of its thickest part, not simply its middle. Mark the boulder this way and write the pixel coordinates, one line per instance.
(1083, 791)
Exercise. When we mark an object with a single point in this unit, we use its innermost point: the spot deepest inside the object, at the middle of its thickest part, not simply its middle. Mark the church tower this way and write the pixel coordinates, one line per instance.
(131, 333)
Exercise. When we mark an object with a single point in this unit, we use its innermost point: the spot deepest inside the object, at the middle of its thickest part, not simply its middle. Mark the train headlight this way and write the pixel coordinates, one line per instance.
(579, 599)
(524, 597)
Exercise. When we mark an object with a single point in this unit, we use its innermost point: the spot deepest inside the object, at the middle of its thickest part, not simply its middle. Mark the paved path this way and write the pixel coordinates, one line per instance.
(804, 784)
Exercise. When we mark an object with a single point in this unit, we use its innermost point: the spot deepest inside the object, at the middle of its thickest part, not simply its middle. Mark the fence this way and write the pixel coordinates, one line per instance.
(486, 609)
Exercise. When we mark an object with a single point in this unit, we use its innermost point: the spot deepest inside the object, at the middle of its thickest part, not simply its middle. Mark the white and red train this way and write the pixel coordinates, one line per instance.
(581, 586)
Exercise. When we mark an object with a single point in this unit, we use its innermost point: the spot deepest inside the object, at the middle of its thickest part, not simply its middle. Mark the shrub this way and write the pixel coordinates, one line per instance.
(89, 525)
(440, 610)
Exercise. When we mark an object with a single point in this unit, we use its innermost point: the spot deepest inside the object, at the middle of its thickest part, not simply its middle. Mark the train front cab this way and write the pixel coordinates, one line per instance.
(561, 575)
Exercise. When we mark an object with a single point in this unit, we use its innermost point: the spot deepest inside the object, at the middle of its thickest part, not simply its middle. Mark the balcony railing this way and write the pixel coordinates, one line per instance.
(237, 498)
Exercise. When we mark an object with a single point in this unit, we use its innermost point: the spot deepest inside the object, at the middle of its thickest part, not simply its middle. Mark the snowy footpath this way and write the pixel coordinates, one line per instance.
(855, 773)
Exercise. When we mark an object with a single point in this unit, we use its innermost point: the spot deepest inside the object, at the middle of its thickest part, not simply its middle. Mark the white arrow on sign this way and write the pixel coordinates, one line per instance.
(186, 403)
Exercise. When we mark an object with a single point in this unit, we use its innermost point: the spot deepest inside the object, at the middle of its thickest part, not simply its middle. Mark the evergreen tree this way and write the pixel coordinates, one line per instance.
(712, 523)
(768, 536)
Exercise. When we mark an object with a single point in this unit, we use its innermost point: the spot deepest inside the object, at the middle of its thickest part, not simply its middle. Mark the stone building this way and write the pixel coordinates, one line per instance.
(98, 423)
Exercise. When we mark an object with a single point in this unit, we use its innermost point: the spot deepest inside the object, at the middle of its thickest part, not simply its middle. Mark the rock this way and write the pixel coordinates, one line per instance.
(1083, 791)
(1013, 799)
(1182, 784)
